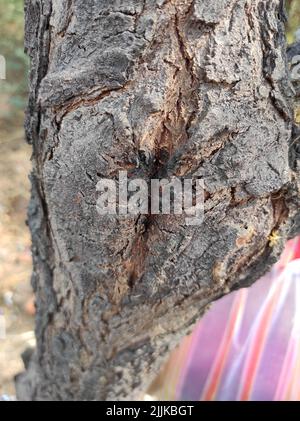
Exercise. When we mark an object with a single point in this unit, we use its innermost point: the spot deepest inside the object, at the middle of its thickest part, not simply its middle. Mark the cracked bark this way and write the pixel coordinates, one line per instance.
(179, 87)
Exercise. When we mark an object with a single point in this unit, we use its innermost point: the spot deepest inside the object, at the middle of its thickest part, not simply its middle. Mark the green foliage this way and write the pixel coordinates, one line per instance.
(14, 89)
(293, 8)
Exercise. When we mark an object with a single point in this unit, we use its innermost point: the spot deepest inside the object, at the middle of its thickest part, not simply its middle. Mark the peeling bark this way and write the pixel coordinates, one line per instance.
(159, 88)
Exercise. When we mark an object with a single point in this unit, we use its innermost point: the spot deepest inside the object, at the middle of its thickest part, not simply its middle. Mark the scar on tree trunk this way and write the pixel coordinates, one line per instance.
(157, 88)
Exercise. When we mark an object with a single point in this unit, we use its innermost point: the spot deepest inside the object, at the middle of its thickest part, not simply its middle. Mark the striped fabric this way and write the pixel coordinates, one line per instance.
(247, 347)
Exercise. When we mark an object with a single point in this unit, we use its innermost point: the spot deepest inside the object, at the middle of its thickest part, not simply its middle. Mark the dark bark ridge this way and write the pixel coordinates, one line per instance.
(159, 88)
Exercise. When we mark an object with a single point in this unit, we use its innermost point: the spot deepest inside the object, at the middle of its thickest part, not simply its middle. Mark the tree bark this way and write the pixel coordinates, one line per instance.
(158, 88)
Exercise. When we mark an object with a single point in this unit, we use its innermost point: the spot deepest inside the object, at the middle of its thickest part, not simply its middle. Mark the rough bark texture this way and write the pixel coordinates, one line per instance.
(159, 88)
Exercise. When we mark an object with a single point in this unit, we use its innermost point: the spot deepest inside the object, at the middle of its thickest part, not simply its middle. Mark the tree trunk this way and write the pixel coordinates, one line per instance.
(155, 87)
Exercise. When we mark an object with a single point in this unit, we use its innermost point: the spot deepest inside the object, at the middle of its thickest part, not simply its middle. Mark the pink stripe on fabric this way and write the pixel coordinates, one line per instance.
(215, 375)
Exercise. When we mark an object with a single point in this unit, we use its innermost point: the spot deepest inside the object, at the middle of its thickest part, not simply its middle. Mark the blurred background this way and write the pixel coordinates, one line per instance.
(16, 301)
(16, 312)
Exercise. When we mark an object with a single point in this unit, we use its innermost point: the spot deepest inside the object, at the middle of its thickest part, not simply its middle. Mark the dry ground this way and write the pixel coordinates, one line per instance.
(15, 256)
